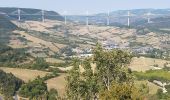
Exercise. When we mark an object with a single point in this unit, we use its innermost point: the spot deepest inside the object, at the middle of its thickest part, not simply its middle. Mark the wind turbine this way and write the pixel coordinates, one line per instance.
(19, 14)
(128, 17)
(42, 16)
(65, 17)
(87, 18)
(149, 14)
(108, 18)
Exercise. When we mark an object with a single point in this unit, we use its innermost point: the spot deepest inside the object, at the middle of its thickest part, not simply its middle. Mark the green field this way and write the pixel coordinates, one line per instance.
(160, 75)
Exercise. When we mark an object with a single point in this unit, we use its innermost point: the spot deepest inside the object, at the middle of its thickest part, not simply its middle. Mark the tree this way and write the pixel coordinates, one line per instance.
(53, 94)
(35, 89)
(110, 80)
(73, 82)
(121, 91)
(40, 63)
(90, 79)
(81, 85)
(112, 66)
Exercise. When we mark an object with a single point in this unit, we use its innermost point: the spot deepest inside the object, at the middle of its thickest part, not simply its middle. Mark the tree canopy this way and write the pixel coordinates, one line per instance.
(109, 80)
(35, 89)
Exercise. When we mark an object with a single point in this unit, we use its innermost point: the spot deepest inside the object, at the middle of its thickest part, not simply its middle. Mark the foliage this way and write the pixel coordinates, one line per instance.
(62, 64)
(165, 96)
(36, 90)
(160, 75)
(52, 94)
(40, 63)
(110, 75)
(10, 56)
(9, 84)
(121, 91)
(49, 76)
(162, 96)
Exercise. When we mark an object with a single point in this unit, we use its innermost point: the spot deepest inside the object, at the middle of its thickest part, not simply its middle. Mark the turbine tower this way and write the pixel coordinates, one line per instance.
(42, 16)
(65, 17)
(87, 18)
(108, 18)
(128, 18)
(148, 15)
(19, 14)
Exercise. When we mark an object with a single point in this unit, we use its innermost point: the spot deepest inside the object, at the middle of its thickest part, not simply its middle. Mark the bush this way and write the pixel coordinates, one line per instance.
(36, 90)
(52, 94)
(40, 63)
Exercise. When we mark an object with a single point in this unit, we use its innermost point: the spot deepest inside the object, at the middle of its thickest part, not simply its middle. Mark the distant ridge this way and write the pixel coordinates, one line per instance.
(119, 17)
(52, 15)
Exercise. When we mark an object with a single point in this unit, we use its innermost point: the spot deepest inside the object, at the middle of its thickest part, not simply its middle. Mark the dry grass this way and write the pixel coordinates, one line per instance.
(137, 64)
(116, 34)
(58, 83)
(38, 25)
(152, 87)
(40, 41)
(24, 74)
(54, 60)
(143, 64)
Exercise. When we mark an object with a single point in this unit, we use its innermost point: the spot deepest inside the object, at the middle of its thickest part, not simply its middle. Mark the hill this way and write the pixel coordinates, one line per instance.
(119, 17)
(29, 14)
(6, 24)
(6, 28)
(159, 24)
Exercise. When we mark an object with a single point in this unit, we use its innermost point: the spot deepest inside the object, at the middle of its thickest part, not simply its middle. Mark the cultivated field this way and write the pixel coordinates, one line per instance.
(143, 64)
(25, 74)
(137, 64)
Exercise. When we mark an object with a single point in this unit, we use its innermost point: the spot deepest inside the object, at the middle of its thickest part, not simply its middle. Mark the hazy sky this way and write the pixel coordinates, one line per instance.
(81, 6)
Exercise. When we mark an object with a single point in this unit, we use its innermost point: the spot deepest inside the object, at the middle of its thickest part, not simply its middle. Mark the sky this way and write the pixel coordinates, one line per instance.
(82, 6)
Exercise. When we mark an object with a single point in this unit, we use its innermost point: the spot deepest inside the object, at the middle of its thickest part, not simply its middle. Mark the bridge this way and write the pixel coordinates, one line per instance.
(43, 14)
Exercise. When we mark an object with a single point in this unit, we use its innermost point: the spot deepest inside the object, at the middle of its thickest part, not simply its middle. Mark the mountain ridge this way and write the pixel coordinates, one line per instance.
(29, 14)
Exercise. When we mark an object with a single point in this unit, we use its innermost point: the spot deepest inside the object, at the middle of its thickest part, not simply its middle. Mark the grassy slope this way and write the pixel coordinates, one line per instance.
(159, 75)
